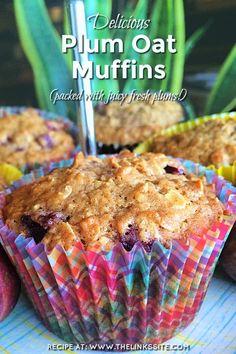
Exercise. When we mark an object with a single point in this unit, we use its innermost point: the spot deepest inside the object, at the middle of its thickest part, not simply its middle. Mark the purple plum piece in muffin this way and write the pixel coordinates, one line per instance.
(35, 229)
(148, 245)
(129, 238)
(38, 229)
(174, 170)
(45, 141)
(55, 126)
(49, 219)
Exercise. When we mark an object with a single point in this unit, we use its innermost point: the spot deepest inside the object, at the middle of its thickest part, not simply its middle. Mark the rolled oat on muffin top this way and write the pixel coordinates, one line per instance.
(123, 198)
(131, 123)
(26, 138)
(213, 142)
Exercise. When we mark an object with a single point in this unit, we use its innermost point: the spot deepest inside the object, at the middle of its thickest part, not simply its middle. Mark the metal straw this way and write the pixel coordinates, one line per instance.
(85, 117)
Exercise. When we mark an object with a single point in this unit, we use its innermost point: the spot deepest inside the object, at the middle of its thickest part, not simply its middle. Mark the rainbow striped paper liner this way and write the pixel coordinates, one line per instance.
(228, 172)
(119, 296)
(70, 127)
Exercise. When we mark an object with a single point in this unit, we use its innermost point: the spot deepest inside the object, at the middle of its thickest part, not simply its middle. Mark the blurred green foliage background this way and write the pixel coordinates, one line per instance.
(212, 21)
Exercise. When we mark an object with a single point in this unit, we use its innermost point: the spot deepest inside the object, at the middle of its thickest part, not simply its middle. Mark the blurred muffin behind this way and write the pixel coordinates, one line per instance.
(210, 143)
(127, 124)
(27, 137)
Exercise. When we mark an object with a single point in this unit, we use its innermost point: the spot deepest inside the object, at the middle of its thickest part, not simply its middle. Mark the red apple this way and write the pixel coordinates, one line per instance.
(9, 285)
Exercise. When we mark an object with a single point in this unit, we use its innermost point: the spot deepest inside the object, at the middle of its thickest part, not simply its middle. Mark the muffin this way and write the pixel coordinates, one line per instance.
(122, 198)
(120, 125)
(27, 138)
(211, 143)
(119, 250)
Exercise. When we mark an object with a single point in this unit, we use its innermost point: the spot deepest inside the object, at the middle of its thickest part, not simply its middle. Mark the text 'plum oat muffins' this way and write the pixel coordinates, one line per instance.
(128, 124)
(26, 138)
(119, 250)
(211, 143)
(124, 198)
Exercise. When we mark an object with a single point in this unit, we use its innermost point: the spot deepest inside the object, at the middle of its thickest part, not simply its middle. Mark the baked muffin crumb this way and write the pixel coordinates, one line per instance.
(213, 142)
(123, 198)
(131, 123)
(27, 138)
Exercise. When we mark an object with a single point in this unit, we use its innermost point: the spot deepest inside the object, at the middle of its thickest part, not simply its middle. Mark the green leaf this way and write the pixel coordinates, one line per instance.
(168, 18)
(67, 30)
(42, 89)
(178, 59)
(103, 8)
(155, 29)
(127, 12)
(41, 45)
(98, 6)
(223, 94)
(189, 109)
(231, 105)
(140, 12)
(166, 27)
(195, 38)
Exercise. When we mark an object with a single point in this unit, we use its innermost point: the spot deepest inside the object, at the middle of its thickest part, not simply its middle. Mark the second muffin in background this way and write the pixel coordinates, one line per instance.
(29, 136)
(211, 143)
(127, 124)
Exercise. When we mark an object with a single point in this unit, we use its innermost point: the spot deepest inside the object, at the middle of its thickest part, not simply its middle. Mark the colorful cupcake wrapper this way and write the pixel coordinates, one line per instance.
(69, 126)
(228, 172)
(119, 296)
